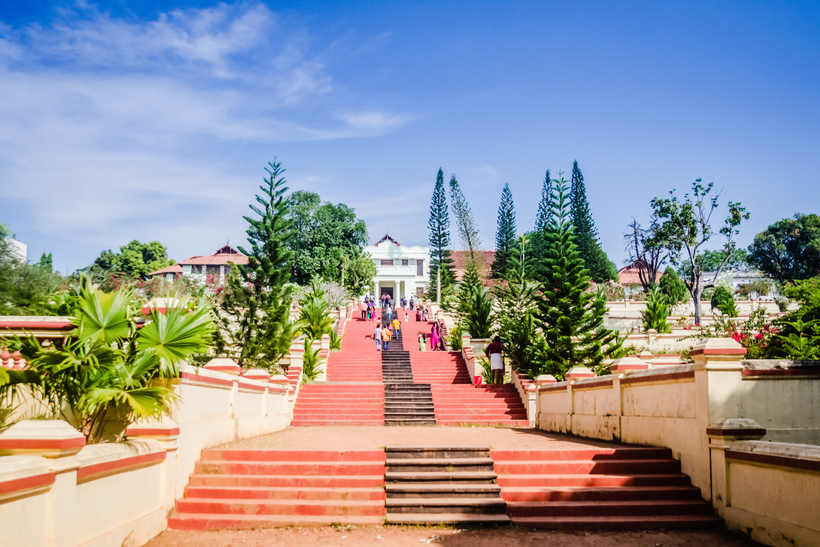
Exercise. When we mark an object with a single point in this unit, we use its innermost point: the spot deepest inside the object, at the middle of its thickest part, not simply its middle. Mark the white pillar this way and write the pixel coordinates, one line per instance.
(376, 292)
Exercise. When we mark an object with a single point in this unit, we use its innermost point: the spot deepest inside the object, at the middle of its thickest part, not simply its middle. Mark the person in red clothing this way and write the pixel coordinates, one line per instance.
(493, 351)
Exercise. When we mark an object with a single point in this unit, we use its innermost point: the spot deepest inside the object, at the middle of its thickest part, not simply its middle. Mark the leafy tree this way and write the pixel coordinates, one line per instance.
(469, 284)
(789, 249)
(672, 287)
(600, 268)
(723, 300)
(710, 261)
(685, 226)
(657, 310)
(543, 218)
(467, 229)
(478, 320)
(439, 225)
(328, 239)
(109, 374)
(46, 262)
(505, 234)
(570, 316)
(136, 260)
(797, 329)
(314, 319)
(255, 309)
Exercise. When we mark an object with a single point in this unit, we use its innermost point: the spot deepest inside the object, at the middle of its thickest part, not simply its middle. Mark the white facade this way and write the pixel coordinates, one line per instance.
(733, 279)
(17, 249)
(401, 271)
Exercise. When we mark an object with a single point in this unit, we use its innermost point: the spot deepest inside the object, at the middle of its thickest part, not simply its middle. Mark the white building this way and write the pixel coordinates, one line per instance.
(212, 267)
(17, 249)
(735, 279)
(401, 271)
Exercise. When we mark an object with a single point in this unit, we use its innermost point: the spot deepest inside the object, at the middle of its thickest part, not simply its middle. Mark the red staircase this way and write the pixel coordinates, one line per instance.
(599, 488)
(270, 488)
(358, 361)
(335, 404)
(353, 394)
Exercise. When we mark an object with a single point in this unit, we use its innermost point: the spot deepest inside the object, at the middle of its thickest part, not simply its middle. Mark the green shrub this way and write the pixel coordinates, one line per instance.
(657, 310)
(310, 365)
(723, 300)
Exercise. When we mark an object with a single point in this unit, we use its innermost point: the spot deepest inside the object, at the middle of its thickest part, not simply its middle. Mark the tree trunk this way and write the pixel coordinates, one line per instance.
(696, 294)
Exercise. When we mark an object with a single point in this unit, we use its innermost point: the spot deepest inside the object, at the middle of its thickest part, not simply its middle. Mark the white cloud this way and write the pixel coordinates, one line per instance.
(107, 124)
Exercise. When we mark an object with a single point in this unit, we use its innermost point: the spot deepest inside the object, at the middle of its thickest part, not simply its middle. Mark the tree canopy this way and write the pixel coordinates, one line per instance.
(465, 222)
(328, 241)
(789, 249)
(135, 260)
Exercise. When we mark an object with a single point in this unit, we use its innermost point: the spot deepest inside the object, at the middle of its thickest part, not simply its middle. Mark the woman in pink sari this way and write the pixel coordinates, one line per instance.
(434, 337)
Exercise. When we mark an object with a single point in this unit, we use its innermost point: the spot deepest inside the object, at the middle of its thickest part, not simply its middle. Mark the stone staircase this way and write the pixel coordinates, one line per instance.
(271, 488)
(434, 485)
(603, 488)
(408, 404)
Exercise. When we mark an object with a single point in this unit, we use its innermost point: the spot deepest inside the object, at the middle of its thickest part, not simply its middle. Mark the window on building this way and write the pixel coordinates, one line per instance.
(196, 269)
(419, 267)
(387, 262)
(212, 270)
(405, 262)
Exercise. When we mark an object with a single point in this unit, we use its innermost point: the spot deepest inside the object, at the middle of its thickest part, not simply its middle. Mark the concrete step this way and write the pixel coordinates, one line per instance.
(437, 452)
(421, 490)
(459, 505)
(305, 422)
(430, 465)
(444, 518)
(195, 522)
(622, 522)
(476, 477)
(607, 508)
(598, 454)
(618, 493)
(606, 467)
(586, 480)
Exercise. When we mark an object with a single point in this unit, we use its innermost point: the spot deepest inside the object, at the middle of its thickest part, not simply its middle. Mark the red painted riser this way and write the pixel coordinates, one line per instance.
(608, 508)
(289, 468)
(563, 480)
(308, 423)
(235, 522)
(596, 454)
(280, 507)
(492, 423)
(634, 493)
(629, 467)
(250, 493)
(299, 456)
(479, 415)
(289, 481)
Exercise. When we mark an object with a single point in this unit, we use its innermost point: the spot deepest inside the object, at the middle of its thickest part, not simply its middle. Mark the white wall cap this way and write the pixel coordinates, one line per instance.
(48, 438)
(107, 452)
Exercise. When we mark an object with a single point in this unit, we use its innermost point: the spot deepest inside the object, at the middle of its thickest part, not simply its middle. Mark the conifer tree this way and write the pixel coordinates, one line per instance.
(439, 225)
(571, 317)
(600, 268)
(505, 233)
(467, 229)
(542, 221)
(255, 311)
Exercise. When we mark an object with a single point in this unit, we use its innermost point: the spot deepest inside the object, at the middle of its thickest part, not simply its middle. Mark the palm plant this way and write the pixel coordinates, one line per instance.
(657, 310)
(478, 320)
(310, 364)
(108, 373)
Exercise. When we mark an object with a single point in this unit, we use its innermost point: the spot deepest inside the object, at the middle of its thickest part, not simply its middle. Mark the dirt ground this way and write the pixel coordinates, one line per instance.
(452, 537)
(369, 437)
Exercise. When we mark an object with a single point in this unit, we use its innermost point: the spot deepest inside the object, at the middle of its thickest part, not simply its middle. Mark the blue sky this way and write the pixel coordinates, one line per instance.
(154, 120)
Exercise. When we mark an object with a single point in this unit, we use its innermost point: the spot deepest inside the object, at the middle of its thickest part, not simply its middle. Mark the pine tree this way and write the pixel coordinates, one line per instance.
(255, 311)
(439, 225)
(505, 233)
(467, 229)
(538, 249)
(571, 317)
(600, 268)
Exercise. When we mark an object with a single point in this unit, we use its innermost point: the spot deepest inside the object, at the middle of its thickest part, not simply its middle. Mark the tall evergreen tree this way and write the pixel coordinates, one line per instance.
(505, 233)
(571, 316)
(255, 310)
(586, 236)
(467, 229)
(439, 225)
(538, 249)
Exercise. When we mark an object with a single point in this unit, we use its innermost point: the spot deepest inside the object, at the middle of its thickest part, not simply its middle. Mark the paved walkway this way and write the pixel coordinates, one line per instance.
(374, 437)
(390, 536)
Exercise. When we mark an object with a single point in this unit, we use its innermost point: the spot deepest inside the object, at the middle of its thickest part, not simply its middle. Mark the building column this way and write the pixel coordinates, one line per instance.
(376, 293)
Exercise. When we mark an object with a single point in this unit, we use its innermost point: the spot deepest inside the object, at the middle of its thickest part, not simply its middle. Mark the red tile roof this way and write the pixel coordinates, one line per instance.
(629, 274)
(461, 259)
(174, 269)
(222, 256)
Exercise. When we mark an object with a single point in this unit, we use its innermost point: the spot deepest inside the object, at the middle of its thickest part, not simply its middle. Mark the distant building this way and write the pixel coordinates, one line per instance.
(215, 266)
(484, 259)
(735, 279)
(401, 271)
(630, 274)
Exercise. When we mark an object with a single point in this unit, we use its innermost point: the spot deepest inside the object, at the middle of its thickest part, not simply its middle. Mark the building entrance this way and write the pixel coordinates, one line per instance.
(388, 291)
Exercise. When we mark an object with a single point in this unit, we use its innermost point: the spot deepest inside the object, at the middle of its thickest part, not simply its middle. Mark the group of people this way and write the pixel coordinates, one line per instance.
(383, 334)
